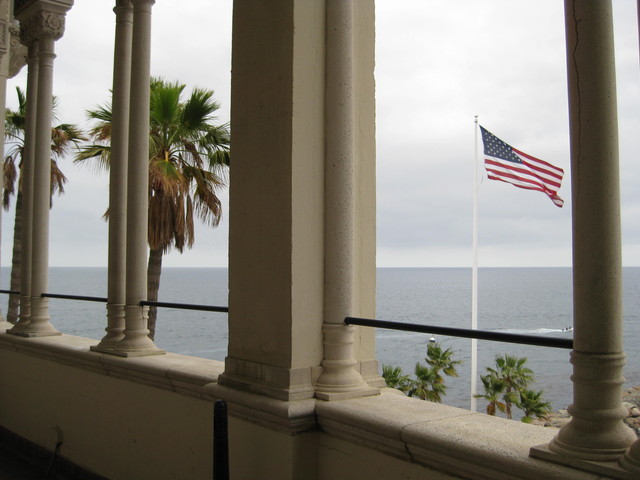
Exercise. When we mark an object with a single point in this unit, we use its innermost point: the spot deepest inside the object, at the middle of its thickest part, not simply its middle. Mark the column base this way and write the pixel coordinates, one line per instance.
(136, 341)
(103, 347)
(630, 461)
(608, 469)
(137, 347)
(284, 384)
(357, 392)
(26, 334)
(133, 353)
(339, 379)
(38, 323)
(29, 330)
(589, 454)
(115, 329)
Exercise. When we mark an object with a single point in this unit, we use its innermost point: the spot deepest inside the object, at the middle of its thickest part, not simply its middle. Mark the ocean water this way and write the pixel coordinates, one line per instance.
(533, 301)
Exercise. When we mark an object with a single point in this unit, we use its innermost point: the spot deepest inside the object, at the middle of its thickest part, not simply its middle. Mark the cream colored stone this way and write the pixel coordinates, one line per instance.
(277, 283)
(153, 430)
(596, 431)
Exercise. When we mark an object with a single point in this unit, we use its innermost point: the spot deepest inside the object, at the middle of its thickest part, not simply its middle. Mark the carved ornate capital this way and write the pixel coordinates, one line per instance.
(4, 36)
(41, 18)
(43, 24)
(17, 51)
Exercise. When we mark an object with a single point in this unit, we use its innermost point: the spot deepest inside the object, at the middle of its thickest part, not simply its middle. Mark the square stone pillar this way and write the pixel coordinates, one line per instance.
(277, 196)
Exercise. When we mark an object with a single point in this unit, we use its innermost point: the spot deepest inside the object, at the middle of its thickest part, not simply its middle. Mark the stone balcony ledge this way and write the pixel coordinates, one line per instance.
(179, 373)
(448, 439)
(456, 442)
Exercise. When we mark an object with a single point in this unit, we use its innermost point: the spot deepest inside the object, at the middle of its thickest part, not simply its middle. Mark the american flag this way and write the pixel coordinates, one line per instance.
(507, 164)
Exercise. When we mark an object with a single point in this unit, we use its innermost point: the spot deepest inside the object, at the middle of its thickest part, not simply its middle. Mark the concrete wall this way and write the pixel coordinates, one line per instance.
(151, 418)
(109, 419)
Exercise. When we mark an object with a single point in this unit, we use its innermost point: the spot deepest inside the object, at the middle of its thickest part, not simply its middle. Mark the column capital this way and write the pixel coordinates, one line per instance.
(39, 18)
(5, 36)
(142, 3)
(17, 51)
(123, 6)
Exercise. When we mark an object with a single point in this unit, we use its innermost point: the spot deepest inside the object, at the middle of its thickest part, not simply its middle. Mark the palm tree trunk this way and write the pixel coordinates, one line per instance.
(16, 262)
(154, 270)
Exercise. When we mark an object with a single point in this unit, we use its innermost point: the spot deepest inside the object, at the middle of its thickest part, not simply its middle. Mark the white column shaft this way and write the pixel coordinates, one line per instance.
(4, 69)
(339, 378)
(136, 340)
(339, 168)
(26, 179)
(42, 188)
(116, 289)
(596, 431)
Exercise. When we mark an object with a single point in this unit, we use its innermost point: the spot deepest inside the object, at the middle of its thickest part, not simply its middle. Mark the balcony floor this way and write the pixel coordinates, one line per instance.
(16, 467)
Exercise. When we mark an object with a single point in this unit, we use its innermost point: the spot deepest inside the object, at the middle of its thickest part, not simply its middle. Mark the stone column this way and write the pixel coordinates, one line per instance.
(277, 223)
(136, 341)
(40, 324)
(596, 431)
(339, 378)
(26, 178)
(4, 73)
(118, 178)
(41, 24)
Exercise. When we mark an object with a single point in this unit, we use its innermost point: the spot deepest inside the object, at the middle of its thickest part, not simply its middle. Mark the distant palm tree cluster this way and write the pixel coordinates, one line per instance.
(505, 386)
(189, 157)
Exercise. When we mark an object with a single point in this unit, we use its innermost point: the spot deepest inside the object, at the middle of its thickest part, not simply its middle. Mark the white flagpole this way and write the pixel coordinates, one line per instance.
(474, 275)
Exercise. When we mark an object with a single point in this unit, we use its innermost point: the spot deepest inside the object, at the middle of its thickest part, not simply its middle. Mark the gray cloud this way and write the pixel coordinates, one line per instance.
(438, 64)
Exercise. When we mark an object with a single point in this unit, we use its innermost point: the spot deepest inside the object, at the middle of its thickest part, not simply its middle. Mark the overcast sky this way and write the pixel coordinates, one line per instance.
(438, 63)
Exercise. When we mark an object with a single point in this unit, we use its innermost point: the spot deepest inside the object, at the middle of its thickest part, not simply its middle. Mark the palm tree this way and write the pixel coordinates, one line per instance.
(430, 384)
(516, 378)
(493, 390)
(63, 138)
(442, 360)
(532, 405)
(188, 157)
(394, 378)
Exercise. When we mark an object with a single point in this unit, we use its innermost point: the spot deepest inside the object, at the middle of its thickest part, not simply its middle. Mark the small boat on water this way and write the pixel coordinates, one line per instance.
(567, 329)
(432, 339)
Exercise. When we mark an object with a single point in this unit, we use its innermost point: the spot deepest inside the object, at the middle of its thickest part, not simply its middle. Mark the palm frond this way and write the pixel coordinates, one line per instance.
(95, 156)
(64, 137)
(188, 161)
(10, 176)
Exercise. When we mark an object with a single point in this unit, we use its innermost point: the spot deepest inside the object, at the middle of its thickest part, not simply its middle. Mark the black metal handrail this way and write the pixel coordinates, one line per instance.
(85, 298)
(185, 306)
(11, 292)
(553, 342)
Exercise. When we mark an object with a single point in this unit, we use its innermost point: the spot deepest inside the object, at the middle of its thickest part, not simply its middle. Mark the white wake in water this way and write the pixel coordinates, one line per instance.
(532, 331)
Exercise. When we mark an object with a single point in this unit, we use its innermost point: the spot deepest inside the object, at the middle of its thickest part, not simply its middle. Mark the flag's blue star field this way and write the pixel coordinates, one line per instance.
(495, 147)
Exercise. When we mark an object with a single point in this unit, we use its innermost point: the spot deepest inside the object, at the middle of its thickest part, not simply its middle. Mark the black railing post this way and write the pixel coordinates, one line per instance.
(220, 441)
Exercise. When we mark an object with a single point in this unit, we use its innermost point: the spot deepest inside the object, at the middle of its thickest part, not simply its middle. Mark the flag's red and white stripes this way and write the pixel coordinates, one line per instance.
(531, 174)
